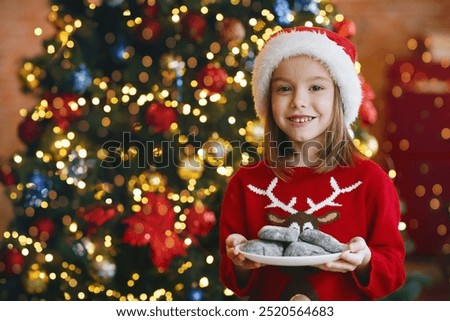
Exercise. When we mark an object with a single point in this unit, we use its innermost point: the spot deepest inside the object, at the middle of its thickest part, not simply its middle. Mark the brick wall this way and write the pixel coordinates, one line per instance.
(17, 41)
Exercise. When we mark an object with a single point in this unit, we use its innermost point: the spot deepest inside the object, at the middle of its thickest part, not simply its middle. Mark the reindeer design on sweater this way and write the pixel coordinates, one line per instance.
(299, 288)
(303, 220)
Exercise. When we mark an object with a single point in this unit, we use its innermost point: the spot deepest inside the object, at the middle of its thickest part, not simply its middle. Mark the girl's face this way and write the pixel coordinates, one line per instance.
(302, 99)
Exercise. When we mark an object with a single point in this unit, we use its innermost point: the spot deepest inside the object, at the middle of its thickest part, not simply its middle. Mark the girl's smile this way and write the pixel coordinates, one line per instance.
(301, 119)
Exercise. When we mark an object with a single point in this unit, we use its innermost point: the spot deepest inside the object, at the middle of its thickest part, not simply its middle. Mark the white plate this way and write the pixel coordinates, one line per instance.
(290, 260)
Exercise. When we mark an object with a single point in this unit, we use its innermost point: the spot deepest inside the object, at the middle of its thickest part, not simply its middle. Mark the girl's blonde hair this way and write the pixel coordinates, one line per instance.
(339, 149)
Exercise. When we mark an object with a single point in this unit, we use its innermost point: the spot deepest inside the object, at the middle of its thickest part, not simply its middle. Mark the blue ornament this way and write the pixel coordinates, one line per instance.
(79, 249)
(196, 295)
(174, 68)
(114, 3)
(307, 6)
(119, 49)
(77, 167)
(82, 247)
(282, 12)
(81, 79)
(250, 62)
(179, 72)
(37, 189)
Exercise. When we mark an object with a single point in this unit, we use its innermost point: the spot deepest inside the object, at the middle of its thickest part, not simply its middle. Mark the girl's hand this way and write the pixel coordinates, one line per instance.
(357, 259)
(237, 258)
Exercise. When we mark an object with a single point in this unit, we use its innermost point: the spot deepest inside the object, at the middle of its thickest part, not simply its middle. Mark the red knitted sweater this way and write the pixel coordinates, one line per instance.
(369, 210)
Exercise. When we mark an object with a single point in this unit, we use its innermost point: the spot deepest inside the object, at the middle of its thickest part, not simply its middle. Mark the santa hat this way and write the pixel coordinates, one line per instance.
(337, 53)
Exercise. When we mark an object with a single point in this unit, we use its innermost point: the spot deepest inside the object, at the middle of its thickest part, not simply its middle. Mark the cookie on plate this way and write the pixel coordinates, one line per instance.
(278, 233)
(325, 241)
(263, 247)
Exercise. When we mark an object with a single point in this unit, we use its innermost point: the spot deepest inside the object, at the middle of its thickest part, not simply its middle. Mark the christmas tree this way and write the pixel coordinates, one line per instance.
(143, 112)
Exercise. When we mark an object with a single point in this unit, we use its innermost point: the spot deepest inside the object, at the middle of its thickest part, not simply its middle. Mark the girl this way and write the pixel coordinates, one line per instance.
(307, 90)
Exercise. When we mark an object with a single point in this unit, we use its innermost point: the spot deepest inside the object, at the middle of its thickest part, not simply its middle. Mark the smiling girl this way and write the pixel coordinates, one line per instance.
(308, 92)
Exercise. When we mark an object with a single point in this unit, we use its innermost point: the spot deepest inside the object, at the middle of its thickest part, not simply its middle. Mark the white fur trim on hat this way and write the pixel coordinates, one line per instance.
(313, 44)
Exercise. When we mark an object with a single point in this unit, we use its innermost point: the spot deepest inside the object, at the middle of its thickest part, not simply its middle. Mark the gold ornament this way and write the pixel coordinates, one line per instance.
(30, 73)
(36, 280)
(102, 189)
(366, 143)
(172, 66)
(254, 132)
(215, 150)
(190, 167)
(149, 181)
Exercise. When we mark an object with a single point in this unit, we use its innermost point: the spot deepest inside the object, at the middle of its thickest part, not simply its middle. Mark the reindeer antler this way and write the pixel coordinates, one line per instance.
(329, 201)
(313, 207)
(275, 201)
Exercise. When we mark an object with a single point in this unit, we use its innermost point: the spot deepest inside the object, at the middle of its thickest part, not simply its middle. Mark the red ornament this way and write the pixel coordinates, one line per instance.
(64, 107)
(154, 225)
(45, 228)
(96, 215)
(194, 26)
(149, 30)
(30, 131)
(11, 262)
(212, 78)
(6, 176)
(345, 28)
(368, 92)
(199, 220)
(367, 111)
(231, 29)
(160, 117)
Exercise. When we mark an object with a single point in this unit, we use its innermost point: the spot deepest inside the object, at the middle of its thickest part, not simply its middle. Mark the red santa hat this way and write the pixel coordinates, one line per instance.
(337, 53)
